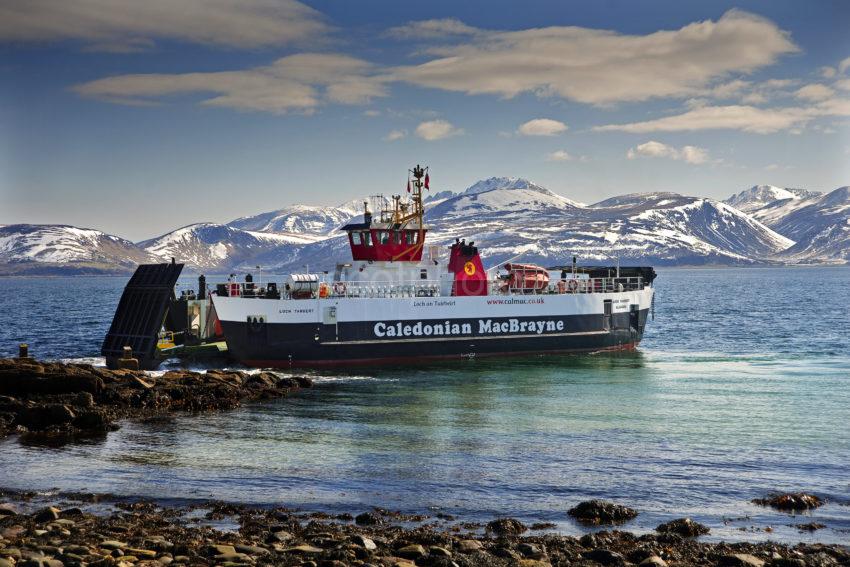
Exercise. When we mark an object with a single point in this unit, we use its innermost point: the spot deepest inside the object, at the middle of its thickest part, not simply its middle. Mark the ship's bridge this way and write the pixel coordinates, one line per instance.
(396, 231)
(385, 242)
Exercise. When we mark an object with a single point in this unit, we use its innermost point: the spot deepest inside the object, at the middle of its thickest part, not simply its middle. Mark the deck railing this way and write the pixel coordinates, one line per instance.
(435, 288)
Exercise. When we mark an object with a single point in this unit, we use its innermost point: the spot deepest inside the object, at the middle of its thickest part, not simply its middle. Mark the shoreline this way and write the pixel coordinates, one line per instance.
(56, 402)
(105, 530)
(66, 396)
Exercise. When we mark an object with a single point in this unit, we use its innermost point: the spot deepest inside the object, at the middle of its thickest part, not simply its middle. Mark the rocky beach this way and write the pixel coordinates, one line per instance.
(51, 530)
(56, 402)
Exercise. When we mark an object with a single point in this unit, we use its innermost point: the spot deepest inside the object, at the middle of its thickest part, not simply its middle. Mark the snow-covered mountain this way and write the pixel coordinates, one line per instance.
(759, 197)
(54, 249)
(821, 229)
(299, 219)
(507, 217)
(817, 223)
(209, 246)
(510, 217)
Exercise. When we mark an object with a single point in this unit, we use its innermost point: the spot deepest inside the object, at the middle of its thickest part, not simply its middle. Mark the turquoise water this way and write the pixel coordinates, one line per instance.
(741, 387)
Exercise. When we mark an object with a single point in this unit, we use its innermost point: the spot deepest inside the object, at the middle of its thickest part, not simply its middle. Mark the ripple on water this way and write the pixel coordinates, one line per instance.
(734, 393)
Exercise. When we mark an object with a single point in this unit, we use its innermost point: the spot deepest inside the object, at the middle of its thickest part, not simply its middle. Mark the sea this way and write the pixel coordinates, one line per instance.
(741, 387)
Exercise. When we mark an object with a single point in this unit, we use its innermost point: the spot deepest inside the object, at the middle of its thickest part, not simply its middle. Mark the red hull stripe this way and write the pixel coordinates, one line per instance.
(402, 359)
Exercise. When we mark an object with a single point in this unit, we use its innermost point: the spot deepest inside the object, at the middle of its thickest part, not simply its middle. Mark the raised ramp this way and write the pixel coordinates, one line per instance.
(140, 313)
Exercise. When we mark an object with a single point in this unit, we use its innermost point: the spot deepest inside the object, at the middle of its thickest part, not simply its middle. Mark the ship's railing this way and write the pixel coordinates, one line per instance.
(571, 285)
(412, 288)
(434, 288)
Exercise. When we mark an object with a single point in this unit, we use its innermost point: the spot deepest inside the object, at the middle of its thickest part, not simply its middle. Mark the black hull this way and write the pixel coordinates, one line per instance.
(290, 345)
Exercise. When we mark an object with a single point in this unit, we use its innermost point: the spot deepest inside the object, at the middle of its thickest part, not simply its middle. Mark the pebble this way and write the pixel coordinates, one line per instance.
(251, 549)
(653, 561)
(143, 553)
(307, 549)
(112, 544)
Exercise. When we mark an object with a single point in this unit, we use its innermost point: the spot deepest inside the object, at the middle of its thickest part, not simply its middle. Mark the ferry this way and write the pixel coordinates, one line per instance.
(399, 300)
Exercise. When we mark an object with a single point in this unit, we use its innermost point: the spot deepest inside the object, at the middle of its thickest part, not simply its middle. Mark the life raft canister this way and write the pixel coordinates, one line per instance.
(324, 290)
(572, 285)
(339, 288)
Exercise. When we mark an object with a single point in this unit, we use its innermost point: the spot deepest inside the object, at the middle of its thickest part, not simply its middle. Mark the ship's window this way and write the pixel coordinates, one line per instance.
(355, 238)
(423, 274)
(412, 237)
(383, 236)
(367, 239)
(397, 239)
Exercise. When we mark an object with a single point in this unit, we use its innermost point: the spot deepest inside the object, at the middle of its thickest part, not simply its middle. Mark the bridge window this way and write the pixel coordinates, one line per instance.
(367, 239)
(397, 238)
(383, 237)
(355, 238)
(412, 237)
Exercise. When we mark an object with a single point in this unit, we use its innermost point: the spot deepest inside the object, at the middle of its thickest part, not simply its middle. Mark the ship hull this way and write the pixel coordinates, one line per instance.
(342, 331)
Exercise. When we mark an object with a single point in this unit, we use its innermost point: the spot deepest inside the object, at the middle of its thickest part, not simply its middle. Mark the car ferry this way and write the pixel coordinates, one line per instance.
(400, 300)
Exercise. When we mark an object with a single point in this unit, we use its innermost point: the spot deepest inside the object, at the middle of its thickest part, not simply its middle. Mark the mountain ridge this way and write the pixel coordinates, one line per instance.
(506, 216)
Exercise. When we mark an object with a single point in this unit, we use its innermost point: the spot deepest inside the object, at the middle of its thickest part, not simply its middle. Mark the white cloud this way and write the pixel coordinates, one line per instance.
(542, 127)
(132, 25)
(652, 149)
(827, 72)
(430, 29)
(437, 130)
(603, 67)
(559, 155)
(843, 84)
(371, 113)
(395, 135)
(299, 83)
(734, 117)
(844, 65)
(814, 92)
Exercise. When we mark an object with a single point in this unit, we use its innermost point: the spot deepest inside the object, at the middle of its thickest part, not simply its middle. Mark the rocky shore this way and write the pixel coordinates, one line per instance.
(93, 530)
(55, 401)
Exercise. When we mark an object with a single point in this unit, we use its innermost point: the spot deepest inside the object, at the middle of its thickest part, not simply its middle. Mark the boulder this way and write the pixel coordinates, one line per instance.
(684, 527)
(602, 512)
(740, 560)
(48, 514)
(469, 546)
(413, 551)
(45, 416)
(605, 557)
(791, 502)
(368, 519)
(506, 526)
(364, 542)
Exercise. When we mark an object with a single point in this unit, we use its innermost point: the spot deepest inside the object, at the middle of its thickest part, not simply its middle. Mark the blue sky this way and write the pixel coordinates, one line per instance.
(136, 118)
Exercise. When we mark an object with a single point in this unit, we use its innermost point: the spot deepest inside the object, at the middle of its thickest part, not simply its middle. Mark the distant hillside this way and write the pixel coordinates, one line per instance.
(508, 217)
(818, 224)
(31, 249)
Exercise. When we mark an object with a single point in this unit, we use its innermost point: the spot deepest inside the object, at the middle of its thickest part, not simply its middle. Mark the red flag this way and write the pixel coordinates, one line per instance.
(408, 185)
(427, 181)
